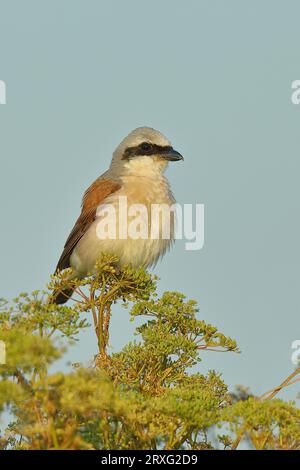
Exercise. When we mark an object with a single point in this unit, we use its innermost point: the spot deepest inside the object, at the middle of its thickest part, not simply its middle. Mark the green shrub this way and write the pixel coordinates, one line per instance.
(142, 397)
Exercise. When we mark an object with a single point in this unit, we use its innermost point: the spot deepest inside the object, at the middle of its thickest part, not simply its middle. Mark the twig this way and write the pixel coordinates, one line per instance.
(21, 380)
(268, 396)
(284, 384)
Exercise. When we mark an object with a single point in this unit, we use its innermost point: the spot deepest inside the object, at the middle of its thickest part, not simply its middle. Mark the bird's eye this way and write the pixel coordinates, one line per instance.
(146, 147)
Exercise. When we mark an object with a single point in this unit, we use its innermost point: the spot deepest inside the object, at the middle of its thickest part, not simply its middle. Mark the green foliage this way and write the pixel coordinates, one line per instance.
(145, 396)
(268, 424)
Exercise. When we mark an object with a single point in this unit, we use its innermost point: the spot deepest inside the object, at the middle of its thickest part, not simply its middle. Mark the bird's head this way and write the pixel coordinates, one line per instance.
(144, 150)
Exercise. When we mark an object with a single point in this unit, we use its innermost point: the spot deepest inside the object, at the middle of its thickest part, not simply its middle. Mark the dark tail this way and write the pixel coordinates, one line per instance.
(62, 297)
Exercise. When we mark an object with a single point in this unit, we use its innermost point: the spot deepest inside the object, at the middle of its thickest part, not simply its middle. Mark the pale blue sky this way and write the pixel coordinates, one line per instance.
(215, 77)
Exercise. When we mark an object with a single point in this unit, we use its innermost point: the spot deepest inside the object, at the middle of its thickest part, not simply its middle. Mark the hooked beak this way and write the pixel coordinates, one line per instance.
(172, 155)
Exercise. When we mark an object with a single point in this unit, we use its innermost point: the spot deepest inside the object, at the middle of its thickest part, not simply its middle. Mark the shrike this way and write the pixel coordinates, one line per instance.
(135, 174)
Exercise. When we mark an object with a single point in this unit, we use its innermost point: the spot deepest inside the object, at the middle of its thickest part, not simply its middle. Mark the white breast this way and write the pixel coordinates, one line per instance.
(135, 252)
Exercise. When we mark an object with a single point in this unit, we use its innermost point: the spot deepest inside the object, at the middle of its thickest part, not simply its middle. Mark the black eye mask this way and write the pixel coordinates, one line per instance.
(146, 148)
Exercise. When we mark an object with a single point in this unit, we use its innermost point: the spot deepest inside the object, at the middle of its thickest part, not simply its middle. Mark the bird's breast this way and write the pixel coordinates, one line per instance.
(134, 223)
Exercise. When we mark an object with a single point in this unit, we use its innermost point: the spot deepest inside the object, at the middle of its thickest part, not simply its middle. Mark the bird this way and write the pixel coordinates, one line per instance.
(136, 173)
